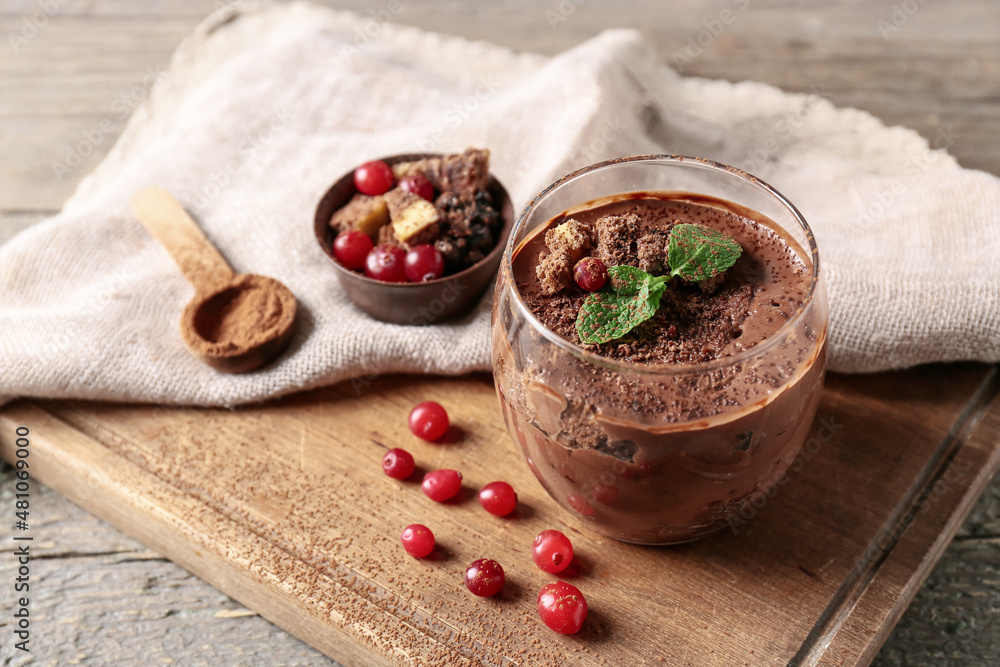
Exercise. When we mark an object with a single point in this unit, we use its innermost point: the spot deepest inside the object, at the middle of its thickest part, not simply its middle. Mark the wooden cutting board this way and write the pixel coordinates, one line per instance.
(284, 507)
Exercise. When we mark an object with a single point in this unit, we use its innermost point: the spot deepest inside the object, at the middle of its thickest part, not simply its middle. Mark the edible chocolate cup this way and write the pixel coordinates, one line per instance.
(413, 303)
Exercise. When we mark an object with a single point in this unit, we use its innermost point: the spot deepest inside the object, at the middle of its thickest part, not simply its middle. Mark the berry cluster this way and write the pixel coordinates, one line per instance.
(387, 262)
(560, 605)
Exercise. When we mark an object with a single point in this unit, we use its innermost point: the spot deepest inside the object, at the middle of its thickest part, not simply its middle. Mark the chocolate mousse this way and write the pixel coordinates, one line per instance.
(697, 410)
(695, 322)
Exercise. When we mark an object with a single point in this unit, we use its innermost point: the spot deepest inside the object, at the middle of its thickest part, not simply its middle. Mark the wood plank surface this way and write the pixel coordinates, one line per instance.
(936, 73)
(284, 507)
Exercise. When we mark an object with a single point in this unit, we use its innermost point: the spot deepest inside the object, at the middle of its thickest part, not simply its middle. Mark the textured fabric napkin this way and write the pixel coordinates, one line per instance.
(265, 105)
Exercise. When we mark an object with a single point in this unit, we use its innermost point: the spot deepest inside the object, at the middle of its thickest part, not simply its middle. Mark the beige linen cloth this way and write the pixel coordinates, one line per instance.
(264, 106)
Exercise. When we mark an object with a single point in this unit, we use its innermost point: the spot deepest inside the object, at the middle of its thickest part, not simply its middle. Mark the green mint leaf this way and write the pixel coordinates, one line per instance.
(630, 298)
(626, 279)
(697, 252)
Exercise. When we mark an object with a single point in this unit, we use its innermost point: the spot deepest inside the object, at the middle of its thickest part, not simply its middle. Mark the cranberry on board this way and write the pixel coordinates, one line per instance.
(498, 498)
(418, 185)
(418, 540)
(562, 607)
(386, 263)
(441, 485)
(373, 178)
(552, 551)
(428, 421)
(351, 247)
(398, 463)
(424, 262)
(485, 577)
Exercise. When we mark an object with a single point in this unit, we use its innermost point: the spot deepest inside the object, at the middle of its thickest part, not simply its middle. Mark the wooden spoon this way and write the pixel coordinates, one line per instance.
(235, 322)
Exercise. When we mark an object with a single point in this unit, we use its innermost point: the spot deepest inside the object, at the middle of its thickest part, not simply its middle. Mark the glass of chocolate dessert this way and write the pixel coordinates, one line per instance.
(659, 343)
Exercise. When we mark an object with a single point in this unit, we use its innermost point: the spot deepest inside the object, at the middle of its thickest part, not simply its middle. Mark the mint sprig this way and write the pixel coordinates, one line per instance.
(697, 252)
(631, 297)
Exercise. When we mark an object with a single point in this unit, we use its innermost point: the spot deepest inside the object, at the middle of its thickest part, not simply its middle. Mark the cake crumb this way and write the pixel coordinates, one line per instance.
(387, 235)
(463, 173)
(571, 237)
(712, 284)
(414, 219)
(364, 213)
(554, 272)
(616, 238)
(652, 249)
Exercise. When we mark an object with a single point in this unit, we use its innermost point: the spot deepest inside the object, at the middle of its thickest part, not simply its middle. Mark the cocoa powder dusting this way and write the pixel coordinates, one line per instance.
(242, 316)
(696, 322)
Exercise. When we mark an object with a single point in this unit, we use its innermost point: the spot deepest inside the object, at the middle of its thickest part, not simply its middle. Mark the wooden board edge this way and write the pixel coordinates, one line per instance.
(51, 465)
(946, 502)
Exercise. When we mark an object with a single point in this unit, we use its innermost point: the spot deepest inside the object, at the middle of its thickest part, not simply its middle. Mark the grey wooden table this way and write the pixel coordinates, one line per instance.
(68, 67)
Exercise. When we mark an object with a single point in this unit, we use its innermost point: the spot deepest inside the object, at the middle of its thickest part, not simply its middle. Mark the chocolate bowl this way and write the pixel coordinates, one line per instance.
(422, 303)
(660, 453)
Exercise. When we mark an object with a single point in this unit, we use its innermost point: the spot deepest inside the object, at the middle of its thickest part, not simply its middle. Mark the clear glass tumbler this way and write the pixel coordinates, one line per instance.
(658, 476)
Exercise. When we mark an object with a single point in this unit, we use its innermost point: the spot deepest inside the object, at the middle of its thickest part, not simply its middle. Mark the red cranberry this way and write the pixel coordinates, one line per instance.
(418, 540)
(606, 494)
(424, 262)
(579, 504)
(590, 274)
(441, 485)
(484, 577)
(373, 178)
(398, 463)
(562, 607)
(428, 421)
(386, 263)
(552, 551)
(418, 185)
(351, 247)
(498, 498)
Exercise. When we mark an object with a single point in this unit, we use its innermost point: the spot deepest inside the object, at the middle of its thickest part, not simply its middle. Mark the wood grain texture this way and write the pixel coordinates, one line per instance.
(100, 597)
(955, 617)
(284, 507)
(84, 72)
(939, 503)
